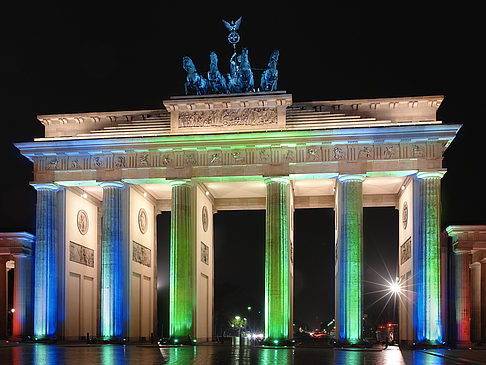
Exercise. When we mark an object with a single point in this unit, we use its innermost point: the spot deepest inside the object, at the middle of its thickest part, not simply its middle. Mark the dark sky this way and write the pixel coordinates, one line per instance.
(82, 58)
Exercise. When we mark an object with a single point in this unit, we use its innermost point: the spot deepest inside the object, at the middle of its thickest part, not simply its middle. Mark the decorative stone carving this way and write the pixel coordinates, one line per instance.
(143, 159)
(82, 222)
(142, 220)
(238, 157)
(97, 162)
(389, 152)
(405, 251)
(228, 117)
(205, 218)
(81, 254)
(74, 163)
(214, 158)
(53, 164)
(190, 158)
(338, 153)
(120, 161)
(405, 215)
(204, 253)
(313, 154)
(365, 153)
(141, 254)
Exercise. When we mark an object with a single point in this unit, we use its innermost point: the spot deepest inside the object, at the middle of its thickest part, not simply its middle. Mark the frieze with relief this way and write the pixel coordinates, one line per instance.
(227, 117)
(225, 156)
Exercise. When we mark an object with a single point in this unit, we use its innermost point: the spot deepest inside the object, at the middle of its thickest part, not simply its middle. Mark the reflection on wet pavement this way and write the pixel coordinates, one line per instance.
(218, 354)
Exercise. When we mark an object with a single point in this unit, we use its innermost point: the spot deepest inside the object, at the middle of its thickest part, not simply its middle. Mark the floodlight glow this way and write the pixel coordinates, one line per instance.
(395, 287)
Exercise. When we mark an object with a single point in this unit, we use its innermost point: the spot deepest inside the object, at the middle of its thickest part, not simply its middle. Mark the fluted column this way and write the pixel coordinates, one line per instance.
(182, 298)
(475, 301)
(349, 258)
(426, 262)
(462, 298)
(483, 301)
(3, 295)
(45, 261)
(22, 298)
(114, 263)
(277, 260)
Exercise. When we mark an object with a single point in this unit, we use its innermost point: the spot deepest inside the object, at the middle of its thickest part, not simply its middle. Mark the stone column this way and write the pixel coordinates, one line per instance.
(475, 300)
(182, 299)
(426, 257)
(462, 298)
(114, 264)
(277, 260)
(349, 258)
(22, 298)
(3, 296)
(45, 261)
(483, 301)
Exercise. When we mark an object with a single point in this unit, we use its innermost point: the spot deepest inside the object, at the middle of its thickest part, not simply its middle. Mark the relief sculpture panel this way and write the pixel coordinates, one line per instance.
(228, 117)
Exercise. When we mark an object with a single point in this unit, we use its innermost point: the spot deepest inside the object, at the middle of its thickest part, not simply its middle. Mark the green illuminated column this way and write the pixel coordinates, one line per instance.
(182, 261)
(349, 258)
(277, 260)
(426, 257)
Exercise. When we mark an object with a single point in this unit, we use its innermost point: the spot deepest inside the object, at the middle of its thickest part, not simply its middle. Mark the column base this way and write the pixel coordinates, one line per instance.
(359, 344)
(278, 343)
(182, 340)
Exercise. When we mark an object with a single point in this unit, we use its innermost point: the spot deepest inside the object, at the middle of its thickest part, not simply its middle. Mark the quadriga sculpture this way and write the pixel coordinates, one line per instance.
(217, 82)
(269, 78)
(195, 84)
(240, 78)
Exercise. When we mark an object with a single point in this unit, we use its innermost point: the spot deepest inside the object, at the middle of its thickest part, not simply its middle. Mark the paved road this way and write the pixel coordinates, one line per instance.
(218, 354)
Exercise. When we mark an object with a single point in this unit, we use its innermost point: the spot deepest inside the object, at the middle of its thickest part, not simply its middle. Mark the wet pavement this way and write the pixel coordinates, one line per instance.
(224, 354)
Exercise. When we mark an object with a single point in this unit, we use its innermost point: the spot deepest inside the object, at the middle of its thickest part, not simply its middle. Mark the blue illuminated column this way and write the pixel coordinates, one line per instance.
(114, 254)
(349, 258)
(45, 261)
(426, 257)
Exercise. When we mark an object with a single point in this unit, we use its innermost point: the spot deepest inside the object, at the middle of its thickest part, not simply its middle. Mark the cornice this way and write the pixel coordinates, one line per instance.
(411, 133)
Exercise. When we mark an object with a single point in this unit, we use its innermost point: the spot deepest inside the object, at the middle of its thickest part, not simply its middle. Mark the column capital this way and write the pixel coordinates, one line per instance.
(173, 183)
(422, 175)
(46, 186)
(113, 184)
(351, 177)
(279, 179)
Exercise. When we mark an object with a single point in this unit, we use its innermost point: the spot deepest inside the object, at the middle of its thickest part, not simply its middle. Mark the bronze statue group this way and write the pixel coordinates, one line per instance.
(239, 79)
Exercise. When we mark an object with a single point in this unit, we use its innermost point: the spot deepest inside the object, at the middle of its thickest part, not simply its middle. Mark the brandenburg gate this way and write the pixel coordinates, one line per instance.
(101, 179)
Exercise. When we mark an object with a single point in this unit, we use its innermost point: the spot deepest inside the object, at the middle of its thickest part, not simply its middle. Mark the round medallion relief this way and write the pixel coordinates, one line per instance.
(82, 221)
(142, 220)
(405, 215)
(205, 218)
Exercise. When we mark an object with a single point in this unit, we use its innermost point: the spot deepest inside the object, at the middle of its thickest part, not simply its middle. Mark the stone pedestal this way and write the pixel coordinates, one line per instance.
(114, 261)
(46, 265)
(462, 298)
(182, 299)
(426, 254)
(349, 258)
(277, 260)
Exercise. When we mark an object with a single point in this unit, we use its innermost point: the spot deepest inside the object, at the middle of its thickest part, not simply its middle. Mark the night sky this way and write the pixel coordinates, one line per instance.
(68, 59)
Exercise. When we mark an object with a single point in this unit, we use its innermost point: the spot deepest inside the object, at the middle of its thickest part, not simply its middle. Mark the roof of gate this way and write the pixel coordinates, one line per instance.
(312, 115)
